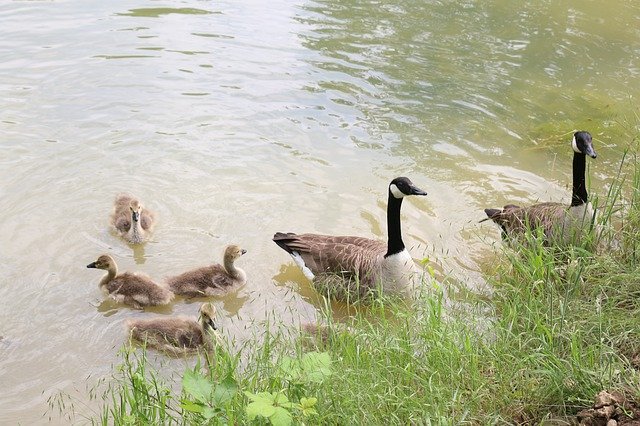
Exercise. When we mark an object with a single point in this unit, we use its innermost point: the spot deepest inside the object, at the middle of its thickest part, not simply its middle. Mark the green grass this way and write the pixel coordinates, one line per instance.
(557, 327)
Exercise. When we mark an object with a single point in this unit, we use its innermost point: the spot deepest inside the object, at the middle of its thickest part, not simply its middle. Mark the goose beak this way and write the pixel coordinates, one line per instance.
(590, 152)
(417, 191)
(91, 265)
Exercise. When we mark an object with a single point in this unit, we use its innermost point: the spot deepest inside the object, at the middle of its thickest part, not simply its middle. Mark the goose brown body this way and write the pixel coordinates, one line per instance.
(212, 280)
(131, 220)
(561, 224)
(176, 335)
(132, 289)
(351, 265)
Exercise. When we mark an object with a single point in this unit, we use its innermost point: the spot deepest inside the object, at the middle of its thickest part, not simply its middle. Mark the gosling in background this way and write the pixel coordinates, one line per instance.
(214, 280)
(131, 220)
(176, 335)
(132, 289)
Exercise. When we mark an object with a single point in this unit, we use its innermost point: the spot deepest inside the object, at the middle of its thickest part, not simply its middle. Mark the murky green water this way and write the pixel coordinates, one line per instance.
(234, 120)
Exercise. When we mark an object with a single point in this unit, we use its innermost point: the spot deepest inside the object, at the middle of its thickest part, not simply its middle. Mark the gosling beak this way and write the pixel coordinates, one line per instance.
(212, 324)
(91, 265)
(135, 216)
(243, 251)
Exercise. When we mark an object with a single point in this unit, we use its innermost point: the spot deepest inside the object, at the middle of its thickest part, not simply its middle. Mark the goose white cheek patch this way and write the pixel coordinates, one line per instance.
(395, 191)
(574, 144)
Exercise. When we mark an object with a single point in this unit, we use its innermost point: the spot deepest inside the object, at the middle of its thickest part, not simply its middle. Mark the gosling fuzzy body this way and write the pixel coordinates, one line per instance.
(135, 290)
(561, 224)
(131, 220)
(213, 280)
(176, 335)
(346, 266)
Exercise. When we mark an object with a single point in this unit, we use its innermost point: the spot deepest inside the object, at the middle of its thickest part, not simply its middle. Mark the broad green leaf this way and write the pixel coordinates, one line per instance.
(209, 413)
(261, 396)
(281, 417)
(316, 366)
(279, 398)
(309, 412)
(196, 386)
(224, 391)
(260, 408)
(308, 402)
(191, 406)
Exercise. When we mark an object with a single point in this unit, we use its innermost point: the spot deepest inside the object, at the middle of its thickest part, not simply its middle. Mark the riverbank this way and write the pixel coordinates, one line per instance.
(557, 328)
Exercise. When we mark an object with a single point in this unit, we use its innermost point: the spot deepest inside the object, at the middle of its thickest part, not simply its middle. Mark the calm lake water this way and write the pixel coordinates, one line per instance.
(237, 119)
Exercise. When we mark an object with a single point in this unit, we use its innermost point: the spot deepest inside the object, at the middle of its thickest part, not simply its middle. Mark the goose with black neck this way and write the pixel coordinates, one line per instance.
(347, 266)
(562, 224)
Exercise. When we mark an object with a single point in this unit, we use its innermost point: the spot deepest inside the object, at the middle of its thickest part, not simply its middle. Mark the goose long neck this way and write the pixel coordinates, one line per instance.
(231, 268)
(394, 242)
(111, 274)
(579, 195)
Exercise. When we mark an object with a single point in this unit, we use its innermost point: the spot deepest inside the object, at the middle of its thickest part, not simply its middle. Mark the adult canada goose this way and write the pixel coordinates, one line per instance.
(131, 220)
(561, 224)
(176, 335)
(347, 265)
(131, 289)
(213, 280)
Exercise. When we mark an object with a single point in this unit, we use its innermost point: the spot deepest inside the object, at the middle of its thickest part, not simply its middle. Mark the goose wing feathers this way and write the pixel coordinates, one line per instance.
(515, 219)
(121, 217)
(160, 332)
(346, 255)
(138, 288)
(201, 281)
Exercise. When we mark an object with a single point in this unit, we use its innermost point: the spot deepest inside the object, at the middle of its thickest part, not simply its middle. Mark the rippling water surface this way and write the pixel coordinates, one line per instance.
(234, 120)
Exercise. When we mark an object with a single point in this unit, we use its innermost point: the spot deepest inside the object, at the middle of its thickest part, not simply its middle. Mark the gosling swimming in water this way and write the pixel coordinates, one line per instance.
(131, 289)
(213, 280)
(176, 335)
(131, 220)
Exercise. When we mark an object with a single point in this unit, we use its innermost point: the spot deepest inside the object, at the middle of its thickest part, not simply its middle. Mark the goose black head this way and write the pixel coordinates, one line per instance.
(582, 144)
(402, 186)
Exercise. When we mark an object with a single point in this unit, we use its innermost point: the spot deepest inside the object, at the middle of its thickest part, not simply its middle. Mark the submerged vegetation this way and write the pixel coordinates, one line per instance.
(558, 327)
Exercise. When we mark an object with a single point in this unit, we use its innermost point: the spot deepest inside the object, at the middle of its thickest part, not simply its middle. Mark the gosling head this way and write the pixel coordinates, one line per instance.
(233, 252)
(583, 144)
(103, 262)
(207, 314)
(136, 210)
(402, 186)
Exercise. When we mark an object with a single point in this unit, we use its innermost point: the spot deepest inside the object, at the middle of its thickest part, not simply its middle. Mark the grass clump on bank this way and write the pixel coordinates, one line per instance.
(559, 327)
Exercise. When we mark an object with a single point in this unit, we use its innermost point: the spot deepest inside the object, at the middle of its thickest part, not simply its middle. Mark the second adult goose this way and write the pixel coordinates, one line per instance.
(131, 220)
(562, 224)
(176, 335)
(135, 290)
(346, 265)
(213, 280)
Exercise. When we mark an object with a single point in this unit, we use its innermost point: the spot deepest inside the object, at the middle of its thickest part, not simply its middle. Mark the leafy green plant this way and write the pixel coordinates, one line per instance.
(204, 397)
(312, 367)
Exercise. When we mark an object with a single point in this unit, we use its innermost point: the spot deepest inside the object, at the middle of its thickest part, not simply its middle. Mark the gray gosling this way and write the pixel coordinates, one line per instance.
(132, 289)
(346, 266)
(562, 224)
(213, 280)
(131, 220)
(176, 335)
